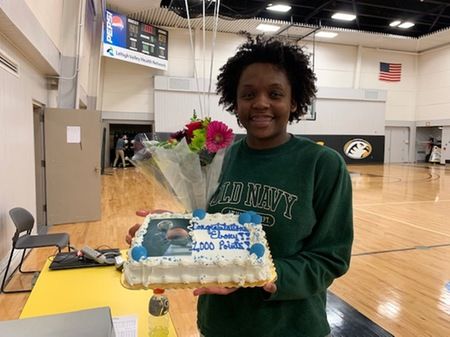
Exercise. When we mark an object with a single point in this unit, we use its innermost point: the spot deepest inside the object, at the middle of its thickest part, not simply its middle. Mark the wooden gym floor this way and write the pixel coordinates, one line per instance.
(400, 272)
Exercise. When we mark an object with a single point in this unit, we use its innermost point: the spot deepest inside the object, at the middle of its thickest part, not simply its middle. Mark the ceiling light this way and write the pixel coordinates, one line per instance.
(267, 28)
(395, 23)
(328, 35)
(393, 36)
(279, 8)
(406, 24)
(343, 16)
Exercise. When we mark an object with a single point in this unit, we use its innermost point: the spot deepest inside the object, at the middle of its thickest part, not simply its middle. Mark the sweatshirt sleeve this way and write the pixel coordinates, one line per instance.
(326, 251)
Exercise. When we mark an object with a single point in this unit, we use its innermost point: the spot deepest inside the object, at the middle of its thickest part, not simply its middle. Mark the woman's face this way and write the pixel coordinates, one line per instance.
(264, 104)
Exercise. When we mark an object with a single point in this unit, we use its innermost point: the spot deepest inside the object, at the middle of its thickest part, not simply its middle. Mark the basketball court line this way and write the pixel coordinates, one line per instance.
(393, 179)
(402, 249)
(427, 166)
(404, 222)
(401, 202)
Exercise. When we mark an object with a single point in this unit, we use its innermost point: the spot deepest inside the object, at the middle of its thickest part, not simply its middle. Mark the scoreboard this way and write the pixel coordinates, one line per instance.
(133, 41)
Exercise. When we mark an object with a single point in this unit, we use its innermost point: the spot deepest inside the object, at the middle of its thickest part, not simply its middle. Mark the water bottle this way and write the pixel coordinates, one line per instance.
(158, 319)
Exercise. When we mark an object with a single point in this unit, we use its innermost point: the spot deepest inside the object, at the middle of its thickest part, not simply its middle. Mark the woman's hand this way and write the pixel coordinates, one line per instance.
(132, 232)
(270, 287)
(143, 212)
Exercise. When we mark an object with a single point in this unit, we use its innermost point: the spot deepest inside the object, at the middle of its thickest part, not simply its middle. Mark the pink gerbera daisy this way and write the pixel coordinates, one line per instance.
(218, 136)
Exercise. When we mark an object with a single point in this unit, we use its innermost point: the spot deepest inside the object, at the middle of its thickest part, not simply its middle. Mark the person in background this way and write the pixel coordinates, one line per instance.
(303, 190)
(430, 146)
(120, 151)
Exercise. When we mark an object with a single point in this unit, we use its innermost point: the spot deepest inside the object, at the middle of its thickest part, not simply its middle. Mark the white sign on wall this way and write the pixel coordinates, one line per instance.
(134, 57)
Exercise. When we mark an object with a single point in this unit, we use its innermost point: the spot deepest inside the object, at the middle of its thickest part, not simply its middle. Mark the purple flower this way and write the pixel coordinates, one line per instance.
(179, 135)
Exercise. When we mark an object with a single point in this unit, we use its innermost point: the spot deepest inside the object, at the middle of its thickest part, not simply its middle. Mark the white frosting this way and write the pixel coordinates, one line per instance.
(220, 254)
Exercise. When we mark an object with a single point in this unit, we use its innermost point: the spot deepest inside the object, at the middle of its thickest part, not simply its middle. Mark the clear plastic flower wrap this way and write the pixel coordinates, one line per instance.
(189, 163)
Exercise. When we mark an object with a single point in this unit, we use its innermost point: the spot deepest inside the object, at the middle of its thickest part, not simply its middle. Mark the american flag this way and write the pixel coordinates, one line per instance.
(390, 72)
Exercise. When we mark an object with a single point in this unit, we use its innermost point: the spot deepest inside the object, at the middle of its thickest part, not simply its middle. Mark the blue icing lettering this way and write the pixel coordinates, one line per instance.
(244, 235)
(230, 245)
(202, 246)
(217, 234)
(219, 226)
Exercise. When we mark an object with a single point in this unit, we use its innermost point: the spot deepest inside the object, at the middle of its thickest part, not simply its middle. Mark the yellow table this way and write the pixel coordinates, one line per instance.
(76, 289)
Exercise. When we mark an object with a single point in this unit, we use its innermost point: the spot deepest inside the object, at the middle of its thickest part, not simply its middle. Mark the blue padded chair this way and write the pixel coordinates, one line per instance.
(23, 239)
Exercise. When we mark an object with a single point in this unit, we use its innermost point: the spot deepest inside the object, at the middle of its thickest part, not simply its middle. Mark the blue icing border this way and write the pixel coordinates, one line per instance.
(199, 213)
(257, 249)
(256, 218)
(250, 217)
(245, 218)
(139, 252)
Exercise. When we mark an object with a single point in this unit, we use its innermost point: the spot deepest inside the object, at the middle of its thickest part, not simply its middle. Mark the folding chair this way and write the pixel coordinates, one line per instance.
(23, 239)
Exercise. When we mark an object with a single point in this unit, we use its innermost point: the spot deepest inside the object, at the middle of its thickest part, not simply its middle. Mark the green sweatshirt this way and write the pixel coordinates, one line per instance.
(303, 192)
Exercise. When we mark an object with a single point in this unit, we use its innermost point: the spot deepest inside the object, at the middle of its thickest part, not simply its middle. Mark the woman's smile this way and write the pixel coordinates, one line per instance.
(261, 120)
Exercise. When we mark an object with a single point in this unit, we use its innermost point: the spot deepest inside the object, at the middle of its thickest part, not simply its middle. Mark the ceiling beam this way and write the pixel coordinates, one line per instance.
(355, 11)
(437, 17)
(402, 9)
(317, 10)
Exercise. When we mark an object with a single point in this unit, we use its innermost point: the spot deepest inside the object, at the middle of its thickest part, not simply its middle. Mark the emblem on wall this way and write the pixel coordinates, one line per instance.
(357, 148)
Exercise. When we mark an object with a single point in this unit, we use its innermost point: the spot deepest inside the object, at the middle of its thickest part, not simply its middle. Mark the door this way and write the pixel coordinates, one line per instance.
(397, 145)
(72, 149)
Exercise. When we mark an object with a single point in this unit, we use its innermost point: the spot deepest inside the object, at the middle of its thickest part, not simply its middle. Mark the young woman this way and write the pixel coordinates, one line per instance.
(301, 189)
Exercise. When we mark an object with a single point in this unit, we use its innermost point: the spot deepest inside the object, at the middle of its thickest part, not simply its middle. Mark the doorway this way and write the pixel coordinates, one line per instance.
(117, 130)
(425, 137)
(39, 159)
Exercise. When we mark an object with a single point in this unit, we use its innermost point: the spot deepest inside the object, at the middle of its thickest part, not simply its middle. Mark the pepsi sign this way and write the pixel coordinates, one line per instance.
(115, 29)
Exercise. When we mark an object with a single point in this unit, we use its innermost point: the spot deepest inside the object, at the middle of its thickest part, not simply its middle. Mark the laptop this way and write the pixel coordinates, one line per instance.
(95, 322)
(70, 260)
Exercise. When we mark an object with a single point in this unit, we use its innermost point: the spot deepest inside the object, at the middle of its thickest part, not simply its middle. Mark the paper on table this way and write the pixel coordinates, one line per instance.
(125, 326)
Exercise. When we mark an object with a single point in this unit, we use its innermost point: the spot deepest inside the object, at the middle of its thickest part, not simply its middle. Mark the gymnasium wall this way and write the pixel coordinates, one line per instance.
(49, 13)
(25, 42)
(91, 43)
(129, 92)
(128, 88)
(343, 114)
(433, 99)
(30, 36)
(358, 68)
(401, 96)
(17, 172)
(335, 66)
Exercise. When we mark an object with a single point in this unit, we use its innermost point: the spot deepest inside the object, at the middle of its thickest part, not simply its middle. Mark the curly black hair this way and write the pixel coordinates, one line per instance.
(286, 56)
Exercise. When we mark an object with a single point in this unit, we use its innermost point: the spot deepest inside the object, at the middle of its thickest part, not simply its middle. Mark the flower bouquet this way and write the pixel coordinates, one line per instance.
(190, 161)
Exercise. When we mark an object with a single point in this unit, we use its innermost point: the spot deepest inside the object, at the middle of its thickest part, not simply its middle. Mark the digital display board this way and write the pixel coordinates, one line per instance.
(133, 41)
